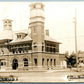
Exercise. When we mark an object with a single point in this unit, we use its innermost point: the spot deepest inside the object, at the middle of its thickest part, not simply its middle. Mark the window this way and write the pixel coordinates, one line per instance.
(26, 49)
(18, 36)
(47, 49)
(16, 51)
(43, 62)
(50, 49)
(5, 21)
(35, 45)
(47, 62)
(4, 63)
(42, 46)
(29, 46)
(51, 62)
(54, 50)
(13, 51)
(48, 45)
(2, 51)
(25, 62)
(54, 62)
(1, 63)
(35, 62)
(19, 50)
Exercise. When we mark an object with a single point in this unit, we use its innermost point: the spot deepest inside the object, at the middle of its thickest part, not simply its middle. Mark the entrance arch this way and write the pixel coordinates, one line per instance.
(14, 64)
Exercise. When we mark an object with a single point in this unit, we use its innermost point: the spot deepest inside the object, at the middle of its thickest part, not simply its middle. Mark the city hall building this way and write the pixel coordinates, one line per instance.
(30, 49)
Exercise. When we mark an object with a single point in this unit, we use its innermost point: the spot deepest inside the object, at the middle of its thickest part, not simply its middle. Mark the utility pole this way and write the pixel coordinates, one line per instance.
(76, 39)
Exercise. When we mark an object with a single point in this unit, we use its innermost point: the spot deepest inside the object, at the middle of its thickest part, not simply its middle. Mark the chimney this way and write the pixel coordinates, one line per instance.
(47, 32)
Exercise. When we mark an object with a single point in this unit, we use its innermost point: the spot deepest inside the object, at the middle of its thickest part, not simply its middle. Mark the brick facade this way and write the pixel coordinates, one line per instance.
(30, 52)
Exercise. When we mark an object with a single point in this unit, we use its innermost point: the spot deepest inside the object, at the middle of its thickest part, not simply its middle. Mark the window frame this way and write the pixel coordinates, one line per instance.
(25, 60)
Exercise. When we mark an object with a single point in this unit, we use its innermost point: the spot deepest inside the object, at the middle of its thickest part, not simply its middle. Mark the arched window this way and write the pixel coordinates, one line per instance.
(54, 50)
(54, 62)
(35, 62)
(50, 48)
(51, 62)
(19, 50)
(47, 62)
(43, 62)
(15, 64)
(25, 62)
(13, 51)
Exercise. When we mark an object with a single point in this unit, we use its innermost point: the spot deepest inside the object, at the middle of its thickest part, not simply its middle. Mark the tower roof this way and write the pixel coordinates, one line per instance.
(36, 3)
(7, 18)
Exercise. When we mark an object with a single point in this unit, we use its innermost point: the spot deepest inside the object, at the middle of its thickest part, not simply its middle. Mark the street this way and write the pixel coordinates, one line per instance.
(46, 76)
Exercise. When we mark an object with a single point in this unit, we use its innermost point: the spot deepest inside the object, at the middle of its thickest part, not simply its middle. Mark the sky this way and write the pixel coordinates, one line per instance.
(59, 19)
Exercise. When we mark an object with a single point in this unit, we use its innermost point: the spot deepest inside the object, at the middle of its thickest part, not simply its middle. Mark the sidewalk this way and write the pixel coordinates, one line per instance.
(57, 70)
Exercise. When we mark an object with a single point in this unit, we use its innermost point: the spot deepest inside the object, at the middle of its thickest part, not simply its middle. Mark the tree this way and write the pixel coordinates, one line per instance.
(71, 60)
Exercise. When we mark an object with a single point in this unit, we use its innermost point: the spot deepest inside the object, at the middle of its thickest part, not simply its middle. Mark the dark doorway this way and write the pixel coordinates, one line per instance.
(14, 64)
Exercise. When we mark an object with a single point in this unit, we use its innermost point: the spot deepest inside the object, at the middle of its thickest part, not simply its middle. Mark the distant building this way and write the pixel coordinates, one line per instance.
(29, 49)
(81, 59)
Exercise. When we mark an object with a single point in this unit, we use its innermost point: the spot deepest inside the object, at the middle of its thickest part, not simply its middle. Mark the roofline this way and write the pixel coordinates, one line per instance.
(53, 41)
(7, 19)
(20, 33)
(19, 42)
(5, 39)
